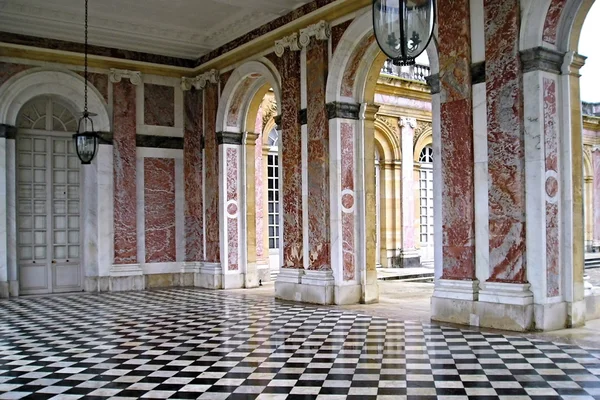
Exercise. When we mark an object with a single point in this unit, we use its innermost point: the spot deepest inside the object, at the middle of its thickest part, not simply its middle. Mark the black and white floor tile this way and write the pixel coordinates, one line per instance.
(194, 344)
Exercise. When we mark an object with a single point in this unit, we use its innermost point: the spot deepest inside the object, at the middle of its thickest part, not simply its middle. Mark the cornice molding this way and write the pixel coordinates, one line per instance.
(116, 75)
(199, 82)
(320, 31)
(591, 123)
(338, 109)
(230, 138)
(403, 88)
(542, 59)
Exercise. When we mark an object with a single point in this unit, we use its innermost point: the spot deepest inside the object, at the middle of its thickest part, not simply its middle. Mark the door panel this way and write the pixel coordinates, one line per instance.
(48, 215)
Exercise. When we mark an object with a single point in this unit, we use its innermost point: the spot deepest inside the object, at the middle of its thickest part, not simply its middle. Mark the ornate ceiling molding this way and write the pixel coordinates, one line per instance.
(199, 82)
(116, 75)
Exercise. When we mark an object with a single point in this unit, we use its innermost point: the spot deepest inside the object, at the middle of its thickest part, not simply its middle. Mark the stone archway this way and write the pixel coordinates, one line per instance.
(69, 87)
(242, 246)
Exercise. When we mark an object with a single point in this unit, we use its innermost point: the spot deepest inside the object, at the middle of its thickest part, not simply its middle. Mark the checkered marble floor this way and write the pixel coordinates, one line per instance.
(187, 343)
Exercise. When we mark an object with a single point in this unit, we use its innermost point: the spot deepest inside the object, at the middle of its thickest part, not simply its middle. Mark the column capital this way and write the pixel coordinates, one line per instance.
(250, 138)
(199, 82)
(321, 31)
(409, 122)
(116, 75)
(229, 138)
(290, 41)
(573, 62)
(542, 59)
(368, 111)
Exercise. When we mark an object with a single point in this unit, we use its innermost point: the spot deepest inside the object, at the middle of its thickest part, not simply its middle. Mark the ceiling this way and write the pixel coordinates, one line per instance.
(178, 28)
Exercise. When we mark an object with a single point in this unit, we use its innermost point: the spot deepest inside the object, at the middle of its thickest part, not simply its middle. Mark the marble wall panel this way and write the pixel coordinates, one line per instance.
(159, 105)
(291, 143)
(224, 77)
(347, 197)
(337, 32)
(159, 209)
(99, 81)
(7, 70)
(192, 170)
(211, 201)
(124, 150)
(235, 107)
(506, 163)
(552, 189)
(457, 157)
(319, 246)
(232, 210)
(552, 20)
(259, 164)
(347, 86)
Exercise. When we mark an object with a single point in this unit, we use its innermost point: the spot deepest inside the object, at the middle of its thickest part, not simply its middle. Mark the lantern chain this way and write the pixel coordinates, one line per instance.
(85, 50)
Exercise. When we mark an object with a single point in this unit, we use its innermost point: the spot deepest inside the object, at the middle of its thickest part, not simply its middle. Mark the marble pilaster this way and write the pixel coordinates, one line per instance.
(125, 211)
(409, 255)
(596, 196)
(211, 154)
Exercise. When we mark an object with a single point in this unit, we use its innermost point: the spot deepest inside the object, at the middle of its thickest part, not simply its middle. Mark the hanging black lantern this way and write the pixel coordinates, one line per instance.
(86, 139)
(403, 28)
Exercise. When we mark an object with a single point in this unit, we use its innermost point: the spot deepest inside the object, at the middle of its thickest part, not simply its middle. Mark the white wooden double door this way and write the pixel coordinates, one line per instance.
(48, 213)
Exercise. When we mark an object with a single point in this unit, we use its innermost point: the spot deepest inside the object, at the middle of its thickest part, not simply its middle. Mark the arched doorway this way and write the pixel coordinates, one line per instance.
(48, 198)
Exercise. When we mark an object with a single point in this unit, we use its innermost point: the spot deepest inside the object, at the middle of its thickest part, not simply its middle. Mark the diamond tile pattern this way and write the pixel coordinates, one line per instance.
(189, 344)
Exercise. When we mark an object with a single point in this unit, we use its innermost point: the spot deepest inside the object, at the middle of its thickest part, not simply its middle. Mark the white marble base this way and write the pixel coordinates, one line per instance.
(4, 290)
(454, 289)
(318, 287)
(264, 272)
(506, 293)
(288, 285)
(349, 294)
(410, 258)
(191, 267)
(234, 281)
(251, 276)
(126, 283)
(550, 317)
(486, 315)
(126, 270)
(592, 305)
(210, 276)
(13, 288)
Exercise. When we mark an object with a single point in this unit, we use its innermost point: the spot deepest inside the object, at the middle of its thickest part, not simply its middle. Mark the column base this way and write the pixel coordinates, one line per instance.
(551, 317)
(264, 273)
(591, 307)
(347, 294)
(409, 258)
(234, 281)
(125, 277)
(4, 290)
(251, 276)
(458, 290)
(210, 276)
(13, 288)
(318, 287)
(288, 285)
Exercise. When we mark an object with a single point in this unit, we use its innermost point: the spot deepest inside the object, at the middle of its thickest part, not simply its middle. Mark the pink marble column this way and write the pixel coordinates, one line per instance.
(291, 142)
(506, 163)
(318, 158)
(231, 165)
(408, 126)
(159, 209)
(596, 195)
(192, 170)
(211, 152)
(260, 167)
(552, 178)
(125, 202)
(457, 160)
(348, 200)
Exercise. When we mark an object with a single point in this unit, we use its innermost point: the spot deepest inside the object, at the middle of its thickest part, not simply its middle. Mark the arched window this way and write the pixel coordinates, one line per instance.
(48, 114)
(426, 203)
(426, 155)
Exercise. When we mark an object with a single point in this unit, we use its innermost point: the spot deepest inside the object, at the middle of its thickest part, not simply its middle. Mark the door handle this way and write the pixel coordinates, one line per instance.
(53, 261)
